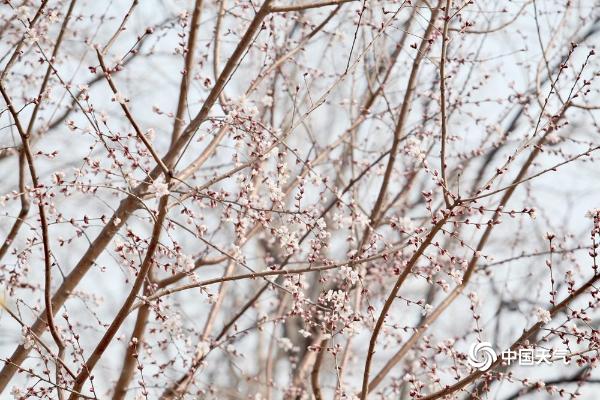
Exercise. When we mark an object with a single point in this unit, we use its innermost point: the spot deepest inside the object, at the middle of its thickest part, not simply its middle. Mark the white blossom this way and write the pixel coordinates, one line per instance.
(23, 12)
(285, 344)
(349, 273)
(173, 324)
(426, 309)
(412, 147)
(26, 338)
(16, 392)
(304, 333)
(474, 298)
(542, 315)
(202, 348)
(267, 101)
(150, 134)
(159, 189)
(592, 213)
(119, 98)
(186, 262)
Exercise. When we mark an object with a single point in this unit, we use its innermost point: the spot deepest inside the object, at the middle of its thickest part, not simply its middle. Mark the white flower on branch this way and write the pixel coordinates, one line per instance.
(202, 348)
(119, 98)
(16, 392)
(26, 338)
(185, 262)
(159, 189)
(286, 344)
(349, 273)
(23, 12)
(542, 315)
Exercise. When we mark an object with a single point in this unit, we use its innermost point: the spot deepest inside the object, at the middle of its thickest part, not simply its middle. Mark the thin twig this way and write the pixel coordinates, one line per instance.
(307, 6)
(125, 109)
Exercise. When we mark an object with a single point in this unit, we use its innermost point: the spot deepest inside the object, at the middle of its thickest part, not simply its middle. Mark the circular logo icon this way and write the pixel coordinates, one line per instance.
(482, 356)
